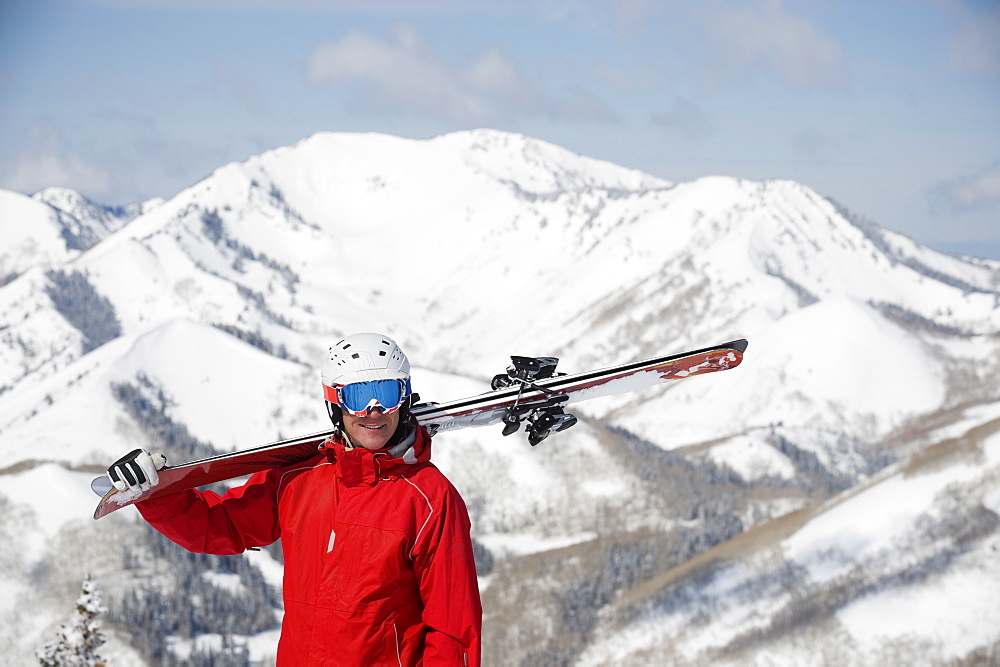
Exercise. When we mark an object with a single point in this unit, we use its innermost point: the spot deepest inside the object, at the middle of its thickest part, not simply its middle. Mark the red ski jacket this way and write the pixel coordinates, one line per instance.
(379, 567)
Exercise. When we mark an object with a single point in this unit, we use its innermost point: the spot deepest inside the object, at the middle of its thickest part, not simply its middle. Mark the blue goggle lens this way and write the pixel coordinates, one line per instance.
(386, 394)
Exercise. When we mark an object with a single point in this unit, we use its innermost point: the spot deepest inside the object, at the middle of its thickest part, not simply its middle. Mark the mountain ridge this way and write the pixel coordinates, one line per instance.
(865, 349)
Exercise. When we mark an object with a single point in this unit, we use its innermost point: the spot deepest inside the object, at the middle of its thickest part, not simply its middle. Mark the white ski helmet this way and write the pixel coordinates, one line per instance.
(364, 357)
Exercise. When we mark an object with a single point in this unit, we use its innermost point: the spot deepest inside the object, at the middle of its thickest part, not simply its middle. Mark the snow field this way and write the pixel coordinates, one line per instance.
(598, 265)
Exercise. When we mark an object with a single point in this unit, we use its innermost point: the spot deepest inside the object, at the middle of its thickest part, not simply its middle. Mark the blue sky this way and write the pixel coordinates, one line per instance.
(891, 107)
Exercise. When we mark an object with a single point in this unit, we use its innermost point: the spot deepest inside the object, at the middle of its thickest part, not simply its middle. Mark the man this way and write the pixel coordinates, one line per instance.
(378, 558)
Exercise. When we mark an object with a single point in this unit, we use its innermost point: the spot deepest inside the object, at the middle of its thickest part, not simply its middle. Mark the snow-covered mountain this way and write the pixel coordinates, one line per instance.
(54, 226)
(683, 521)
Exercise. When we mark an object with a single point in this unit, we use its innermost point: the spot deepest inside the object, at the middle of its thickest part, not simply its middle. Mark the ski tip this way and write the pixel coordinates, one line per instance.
(105, 507)
(115, 499)
(101, 485)
(738, 345)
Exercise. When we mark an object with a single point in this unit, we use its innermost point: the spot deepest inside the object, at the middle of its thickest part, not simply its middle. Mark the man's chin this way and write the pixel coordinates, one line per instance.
(370, 438)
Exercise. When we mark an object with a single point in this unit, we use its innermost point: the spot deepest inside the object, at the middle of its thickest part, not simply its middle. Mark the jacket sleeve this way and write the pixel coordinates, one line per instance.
(449, 587)
(204, 522)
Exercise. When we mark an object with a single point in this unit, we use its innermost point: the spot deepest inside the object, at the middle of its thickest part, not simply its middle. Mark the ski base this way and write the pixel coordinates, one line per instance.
(531, 392)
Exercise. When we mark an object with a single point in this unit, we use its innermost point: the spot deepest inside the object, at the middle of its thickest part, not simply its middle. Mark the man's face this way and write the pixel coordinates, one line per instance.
(371, 431)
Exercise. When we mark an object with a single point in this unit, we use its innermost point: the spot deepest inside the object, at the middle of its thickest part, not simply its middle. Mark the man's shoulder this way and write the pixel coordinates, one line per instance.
(433, 490)
(429, 479)
(289, 471)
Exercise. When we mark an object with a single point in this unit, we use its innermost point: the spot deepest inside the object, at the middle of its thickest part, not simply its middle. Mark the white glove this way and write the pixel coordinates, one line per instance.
(136, 471)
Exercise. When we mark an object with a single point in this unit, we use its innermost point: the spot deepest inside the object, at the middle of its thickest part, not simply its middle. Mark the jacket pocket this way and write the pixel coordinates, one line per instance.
(366, 568)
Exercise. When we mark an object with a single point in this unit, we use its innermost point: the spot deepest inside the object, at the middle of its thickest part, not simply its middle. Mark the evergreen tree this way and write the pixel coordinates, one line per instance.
(78, 640)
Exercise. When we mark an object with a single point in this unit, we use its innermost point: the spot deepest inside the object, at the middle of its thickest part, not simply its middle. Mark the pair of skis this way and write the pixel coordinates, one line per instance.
(530, 393)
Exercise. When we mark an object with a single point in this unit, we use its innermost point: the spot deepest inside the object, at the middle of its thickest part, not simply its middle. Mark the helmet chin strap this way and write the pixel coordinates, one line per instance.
(403, 428)
(336, 415)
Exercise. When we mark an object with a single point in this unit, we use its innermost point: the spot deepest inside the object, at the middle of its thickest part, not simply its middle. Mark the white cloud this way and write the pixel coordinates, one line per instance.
(765, 34)
(47, 160)
(980, 190)
(404, 73)
(742, 36)
(495, 74)
(399, 73)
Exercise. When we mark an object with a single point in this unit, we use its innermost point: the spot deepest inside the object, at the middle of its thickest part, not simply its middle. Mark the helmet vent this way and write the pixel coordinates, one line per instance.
(364, 357)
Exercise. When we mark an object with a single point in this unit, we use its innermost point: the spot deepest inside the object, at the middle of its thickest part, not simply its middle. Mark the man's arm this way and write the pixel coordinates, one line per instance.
(449, 587)
(204, 522)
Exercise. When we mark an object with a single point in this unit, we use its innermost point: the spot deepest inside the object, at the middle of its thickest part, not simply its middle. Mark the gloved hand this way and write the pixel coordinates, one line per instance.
(136, 471)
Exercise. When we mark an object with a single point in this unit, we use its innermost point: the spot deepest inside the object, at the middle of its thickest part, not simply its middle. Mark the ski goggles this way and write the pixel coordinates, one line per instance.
(358, 397)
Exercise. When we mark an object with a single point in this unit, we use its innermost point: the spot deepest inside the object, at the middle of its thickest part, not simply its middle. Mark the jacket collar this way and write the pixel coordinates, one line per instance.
(363, 467)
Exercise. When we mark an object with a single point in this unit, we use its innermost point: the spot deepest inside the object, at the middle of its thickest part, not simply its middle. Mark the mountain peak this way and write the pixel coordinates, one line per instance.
(202, 321)
(85, 222)
(534, 165)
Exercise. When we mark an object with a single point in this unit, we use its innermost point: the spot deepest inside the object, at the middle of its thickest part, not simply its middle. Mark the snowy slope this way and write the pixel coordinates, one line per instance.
(53, 226)
(214, 307)
(31, 236)
(901, 570)
(683, 266)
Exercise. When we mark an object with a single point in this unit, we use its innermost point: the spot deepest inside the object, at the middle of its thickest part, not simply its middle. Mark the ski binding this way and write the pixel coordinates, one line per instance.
(544, 416)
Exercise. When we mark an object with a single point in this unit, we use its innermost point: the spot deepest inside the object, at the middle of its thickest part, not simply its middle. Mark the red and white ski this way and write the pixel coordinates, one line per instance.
(530, 393)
